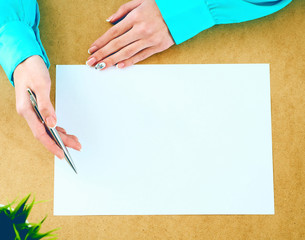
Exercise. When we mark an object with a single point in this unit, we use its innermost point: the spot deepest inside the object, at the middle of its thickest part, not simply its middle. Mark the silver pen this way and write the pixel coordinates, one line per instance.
(52, 131)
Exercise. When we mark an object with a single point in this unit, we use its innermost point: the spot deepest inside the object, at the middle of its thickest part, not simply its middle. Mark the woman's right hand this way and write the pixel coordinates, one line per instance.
(33, 74)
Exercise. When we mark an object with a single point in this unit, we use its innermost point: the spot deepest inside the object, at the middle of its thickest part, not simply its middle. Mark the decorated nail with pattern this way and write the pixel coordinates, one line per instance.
(100, 66)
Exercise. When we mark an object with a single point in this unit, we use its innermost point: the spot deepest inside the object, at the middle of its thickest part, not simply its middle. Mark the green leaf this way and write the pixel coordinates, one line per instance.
(16, 220)
(24, 215)
(3, 208)
(29, 207)
(17, 233)
(42, 235)
(7, 210)
(20, 207)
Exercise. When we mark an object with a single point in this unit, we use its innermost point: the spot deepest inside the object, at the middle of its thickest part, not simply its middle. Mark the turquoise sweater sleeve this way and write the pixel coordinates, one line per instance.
(19, 34)
(185, 19)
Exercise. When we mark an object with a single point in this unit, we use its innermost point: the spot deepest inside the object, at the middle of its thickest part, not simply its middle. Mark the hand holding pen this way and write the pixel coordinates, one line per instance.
(52, 132)
(33, 74)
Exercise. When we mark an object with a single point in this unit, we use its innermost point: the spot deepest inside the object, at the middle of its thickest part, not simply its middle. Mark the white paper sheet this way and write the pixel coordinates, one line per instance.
(166, 139)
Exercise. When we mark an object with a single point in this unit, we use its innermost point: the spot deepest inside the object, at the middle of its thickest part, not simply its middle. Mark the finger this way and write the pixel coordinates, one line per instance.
(111, 34)
(70, 141)
(40, 133)
(123, 10)
(60, 129)
(138, 57)
(125, 53)
(44, 105)
(114, 46)
(63, 132)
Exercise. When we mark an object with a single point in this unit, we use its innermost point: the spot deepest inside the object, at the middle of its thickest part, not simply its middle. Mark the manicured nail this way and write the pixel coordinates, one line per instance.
(91, 62)
(109, 19)
(120, 65)
(100, 66)
(79, 147)
(51, 121)
(61, 156)
(92, 49)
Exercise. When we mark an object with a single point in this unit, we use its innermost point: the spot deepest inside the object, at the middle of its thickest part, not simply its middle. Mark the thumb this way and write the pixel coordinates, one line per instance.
(46, 108)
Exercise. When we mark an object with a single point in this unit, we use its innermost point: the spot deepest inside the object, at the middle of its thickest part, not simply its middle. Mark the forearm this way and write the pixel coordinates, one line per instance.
(19, 34)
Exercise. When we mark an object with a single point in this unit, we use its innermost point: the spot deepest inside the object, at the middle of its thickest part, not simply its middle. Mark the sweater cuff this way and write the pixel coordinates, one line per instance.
(17, 43)
(180, 18)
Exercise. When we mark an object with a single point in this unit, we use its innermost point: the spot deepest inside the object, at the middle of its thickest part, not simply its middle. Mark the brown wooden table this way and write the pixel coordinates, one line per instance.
(69, 27)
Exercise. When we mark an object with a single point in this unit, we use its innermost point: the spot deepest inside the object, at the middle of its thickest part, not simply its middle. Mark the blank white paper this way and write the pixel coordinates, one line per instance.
(166, 139)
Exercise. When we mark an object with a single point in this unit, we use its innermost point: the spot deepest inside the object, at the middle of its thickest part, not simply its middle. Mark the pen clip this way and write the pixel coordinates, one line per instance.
(35, 105)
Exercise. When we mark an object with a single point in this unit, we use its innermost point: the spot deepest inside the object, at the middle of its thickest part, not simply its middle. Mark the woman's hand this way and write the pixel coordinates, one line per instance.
(139, 35)
(33, 74)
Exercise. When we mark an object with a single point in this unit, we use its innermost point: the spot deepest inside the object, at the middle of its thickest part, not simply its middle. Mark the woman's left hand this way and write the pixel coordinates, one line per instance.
(139, 35)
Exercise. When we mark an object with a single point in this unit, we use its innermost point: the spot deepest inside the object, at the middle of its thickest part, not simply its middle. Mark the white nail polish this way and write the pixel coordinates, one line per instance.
(91, 61)
(109, 19)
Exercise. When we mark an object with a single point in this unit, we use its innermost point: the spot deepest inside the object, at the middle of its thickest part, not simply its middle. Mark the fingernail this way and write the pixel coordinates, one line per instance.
(100, 66)
(61, 156)
(109, 19)
(79, 147)
(120, 65)
(91, 61)
(51, 121)
(92, 49)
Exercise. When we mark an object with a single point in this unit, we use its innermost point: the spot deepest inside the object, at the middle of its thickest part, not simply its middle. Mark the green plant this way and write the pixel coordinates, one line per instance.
(14, 225)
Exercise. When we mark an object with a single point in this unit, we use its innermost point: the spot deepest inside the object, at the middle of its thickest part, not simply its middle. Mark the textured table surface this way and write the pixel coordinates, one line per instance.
(69, 27)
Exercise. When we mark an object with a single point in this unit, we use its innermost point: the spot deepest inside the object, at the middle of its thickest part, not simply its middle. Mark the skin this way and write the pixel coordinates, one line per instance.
(33, 74)
(139, 35)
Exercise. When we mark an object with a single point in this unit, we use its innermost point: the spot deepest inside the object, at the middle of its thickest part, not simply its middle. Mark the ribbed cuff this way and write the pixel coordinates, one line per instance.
(17, 43)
